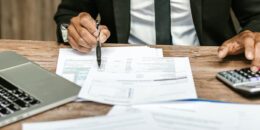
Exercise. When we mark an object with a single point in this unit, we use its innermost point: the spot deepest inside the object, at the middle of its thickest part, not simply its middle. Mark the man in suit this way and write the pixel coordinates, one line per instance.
(174, 22)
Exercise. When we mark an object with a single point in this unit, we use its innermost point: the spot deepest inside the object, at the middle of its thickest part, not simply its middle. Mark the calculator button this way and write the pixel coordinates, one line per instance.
(238, 76)
(245, 74)
(223, 74)
(254, 79)
(253, 74)
(241, 79)
(242, 73)
(256, 75)
(249, 76)
(233, 80)
(229, 77)
(237, 81)
(245, 80)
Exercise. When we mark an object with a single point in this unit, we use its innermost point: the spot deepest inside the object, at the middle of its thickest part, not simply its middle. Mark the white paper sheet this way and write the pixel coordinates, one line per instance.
(249, 115)
(75, 66)
(165, 116)
(201, 114)
(139, 80)
(130, 121)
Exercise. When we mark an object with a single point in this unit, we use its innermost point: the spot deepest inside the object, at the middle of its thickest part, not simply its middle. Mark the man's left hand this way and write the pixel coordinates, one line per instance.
(246, 41)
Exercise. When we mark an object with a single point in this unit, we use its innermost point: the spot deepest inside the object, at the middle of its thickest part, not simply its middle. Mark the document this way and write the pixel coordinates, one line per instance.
(248, 115)
(130, 121)
(199, 115)
(131, 81)
(75, 66)
(180, 115)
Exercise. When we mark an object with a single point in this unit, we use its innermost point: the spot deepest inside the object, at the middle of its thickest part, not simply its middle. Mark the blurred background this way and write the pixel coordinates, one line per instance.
(28, 19)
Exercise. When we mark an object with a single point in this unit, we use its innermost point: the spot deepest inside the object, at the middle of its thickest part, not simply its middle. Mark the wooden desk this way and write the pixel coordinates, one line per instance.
(204, 63)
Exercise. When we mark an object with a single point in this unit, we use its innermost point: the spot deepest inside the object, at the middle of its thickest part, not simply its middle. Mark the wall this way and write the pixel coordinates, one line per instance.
(28, 19)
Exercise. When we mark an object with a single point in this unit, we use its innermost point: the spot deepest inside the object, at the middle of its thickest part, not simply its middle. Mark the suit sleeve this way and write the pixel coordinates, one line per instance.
(248, 14)
(71, 8)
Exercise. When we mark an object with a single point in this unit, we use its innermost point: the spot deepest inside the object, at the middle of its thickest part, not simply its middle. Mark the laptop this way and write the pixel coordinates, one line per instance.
(27, 89)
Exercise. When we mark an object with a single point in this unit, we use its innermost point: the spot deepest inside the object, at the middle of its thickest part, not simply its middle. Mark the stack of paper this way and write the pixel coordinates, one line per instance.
(75, 66)
(128, 75)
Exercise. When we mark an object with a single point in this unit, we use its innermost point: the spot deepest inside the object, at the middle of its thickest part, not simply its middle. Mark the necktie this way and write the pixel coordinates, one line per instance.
(163, 22)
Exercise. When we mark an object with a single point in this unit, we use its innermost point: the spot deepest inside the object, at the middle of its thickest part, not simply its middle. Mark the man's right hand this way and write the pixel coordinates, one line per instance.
(82, 33)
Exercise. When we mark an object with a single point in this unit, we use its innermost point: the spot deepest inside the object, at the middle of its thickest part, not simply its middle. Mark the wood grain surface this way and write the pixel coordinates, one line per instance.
(204, 62)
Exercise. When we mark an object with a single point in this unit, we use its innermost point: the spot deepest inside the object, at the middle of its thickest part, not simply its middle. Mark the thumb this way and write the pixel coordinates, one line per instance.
(104, 34)
(103, 37)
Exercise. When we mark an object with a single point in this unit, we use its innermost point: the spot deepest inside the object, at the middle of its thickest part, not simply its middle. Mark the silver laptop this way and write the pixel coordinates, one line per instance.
(27, 89)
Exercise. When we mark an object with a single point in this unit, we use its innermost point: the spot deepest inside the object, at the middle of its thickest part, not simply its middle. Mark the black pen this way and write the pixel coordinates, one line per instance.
(98, 48)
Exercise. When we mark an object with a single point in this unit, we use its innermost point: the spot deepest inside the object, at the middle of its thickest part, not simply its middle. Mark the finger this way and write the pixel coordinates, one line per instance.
(73, 43)
(256, 61)
(73, 37)
(104, 34)
(73, 32)
(88, 38)
(77, 47)
(75, 25)
(89, 23)
(84, 50)
(223, 50)
(249, 43)
(254, 68)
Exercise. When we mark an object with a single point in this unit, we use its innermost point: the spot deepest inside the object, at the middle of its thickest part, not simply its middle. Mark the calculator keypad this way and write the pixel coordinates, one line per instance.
(241, 76)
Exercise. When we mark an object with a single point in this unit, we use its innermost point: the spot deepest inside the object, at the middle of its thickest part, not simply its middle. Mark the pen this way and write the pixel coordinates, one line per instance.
(98, 48)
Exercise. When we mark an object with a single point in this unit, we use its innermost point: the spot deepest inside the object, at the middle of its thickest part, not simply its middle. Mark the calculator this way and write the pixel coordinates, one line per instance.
(243, 80)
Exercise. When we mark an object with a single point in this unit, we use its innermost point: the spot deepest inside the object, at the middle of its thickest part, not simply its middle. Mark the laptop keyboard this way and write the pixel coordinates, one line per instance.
(13, 99)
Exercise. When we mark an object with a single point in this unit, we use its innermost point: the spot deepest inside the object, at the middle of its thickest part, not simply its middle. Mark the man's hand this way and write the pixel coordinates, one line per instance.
(248, 42)
(82, 33)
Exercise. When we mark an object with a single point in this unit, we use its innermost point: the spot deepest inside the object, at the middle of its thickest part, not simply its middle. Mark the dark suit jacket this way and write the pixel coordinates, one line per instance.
(212, 18)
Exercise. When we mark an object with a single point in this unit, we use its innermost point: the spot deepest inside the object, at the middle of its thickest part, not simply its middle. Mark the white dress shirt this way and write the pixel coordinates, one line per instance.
(143, 23)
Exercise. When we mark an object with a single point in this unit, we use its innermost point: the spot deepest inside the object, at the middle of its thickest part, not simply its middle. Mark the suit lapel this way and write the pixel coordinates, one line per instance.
(122, 19)
(196, 9)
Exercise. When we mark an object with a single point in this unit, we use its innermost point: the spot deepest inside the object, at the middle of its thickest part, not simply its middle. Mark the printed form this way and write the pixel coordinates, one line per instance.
(198, 115)
(75, 66)
(128, 81)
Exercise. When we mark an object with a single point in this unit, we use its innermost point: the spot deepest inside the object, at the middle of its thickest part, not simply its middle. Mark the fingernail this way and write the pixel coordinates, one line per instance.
(221, 53)
(250, 56)
(254, 69)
